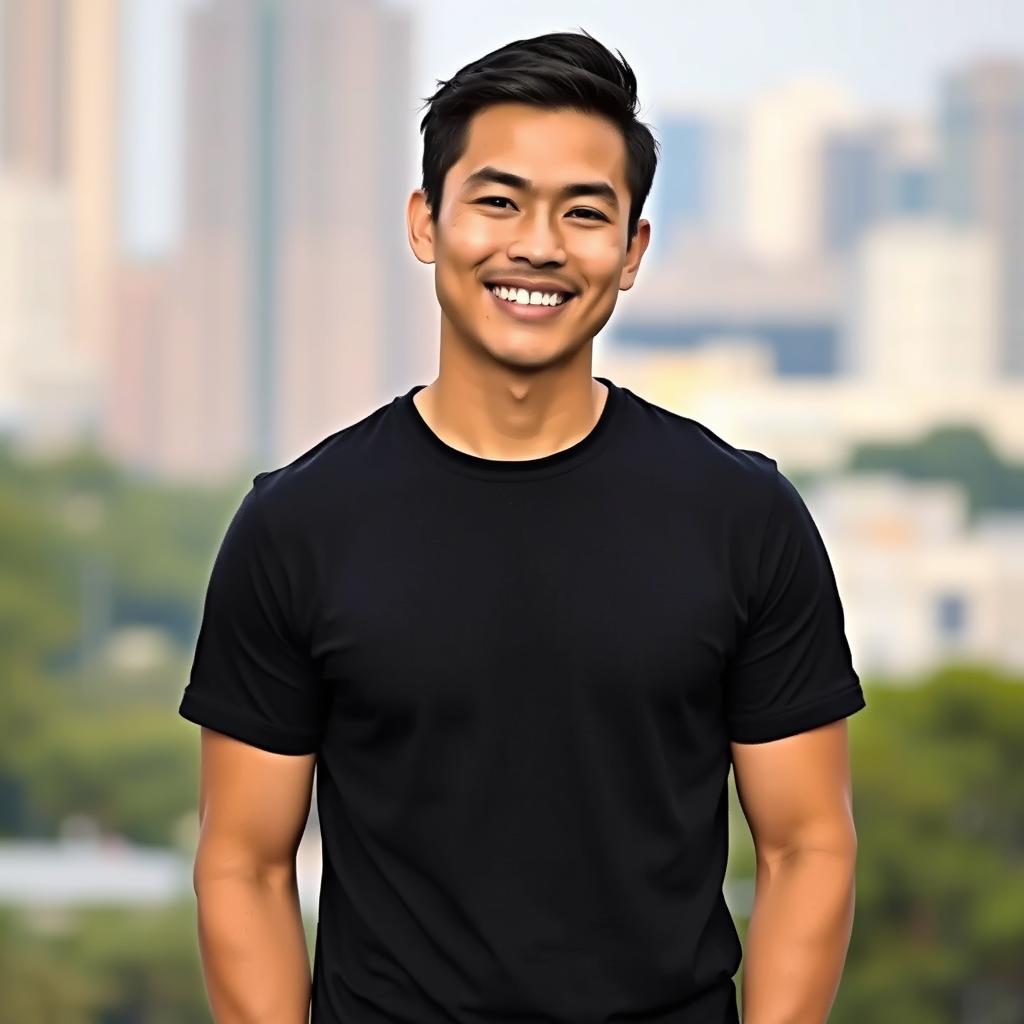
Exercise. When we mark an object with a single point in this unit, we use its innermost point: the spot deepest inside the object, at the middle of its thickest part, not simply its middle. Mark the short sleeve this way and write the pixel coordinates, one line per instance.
(792, 670)
(251, 677)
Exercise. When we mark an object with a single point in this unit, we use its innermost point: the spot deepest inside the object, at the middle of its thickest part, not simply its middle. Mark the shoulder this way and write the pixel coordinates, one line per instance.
(321, 482)
(730, 478)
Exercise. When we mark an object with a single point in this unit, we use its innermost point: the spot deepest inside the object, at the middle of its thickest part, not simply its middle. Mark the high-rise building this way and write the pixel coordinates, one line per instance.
(922, 305)
(875, 171)
(981, 176)
(294, 257)
(783, 210)
(93, 31)
(45, 384)
(58, 118)
(33, 87)
(698, 187)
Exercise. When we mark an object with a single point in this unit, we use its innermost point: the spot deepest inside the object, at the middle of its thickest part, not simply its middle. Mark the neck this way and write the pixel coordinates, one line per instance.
(504, 415)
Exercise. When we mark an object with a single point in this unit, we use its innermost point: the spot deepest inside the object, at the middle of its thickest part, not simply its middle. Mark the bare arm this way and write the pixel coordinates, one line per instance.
(253, 806)
(795, 793)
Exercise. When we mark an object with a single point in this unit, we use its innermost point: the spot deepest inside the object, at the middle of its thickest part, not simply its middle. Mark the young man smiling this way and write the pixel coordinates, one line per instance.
(523, 621)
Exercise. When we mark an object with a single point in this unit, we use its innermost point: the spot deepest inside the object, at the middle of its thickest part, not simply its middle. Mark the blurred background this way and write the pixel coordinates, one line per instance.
(204, 271)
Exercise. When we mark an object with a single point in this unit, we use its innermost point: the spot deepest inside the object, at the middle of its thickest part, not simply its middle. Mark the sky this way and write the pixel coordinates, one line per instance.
(151, 59)
(889, 54)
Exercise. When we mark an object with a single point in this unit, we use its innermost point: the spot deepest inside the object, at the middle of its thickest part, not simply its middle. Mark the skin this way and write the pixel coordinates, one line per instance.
(513, 390)
(253, 807)
(796, 796)
(507, 389)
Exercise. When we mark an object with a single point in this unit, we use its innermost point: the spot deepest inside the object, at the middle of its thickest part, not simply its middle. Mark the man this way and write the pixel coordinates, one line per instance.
(522, 621)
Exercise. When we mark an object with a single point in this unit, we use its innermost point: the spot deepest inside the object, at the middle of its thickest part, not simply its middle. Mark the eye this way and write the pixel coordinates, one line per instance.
(593, 214)
(500, 199)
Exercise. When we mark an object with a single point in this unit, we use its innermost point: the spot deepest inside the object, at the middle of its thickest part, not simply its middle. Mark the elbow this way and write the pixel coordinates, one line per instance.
(839, 844)
(208, 871)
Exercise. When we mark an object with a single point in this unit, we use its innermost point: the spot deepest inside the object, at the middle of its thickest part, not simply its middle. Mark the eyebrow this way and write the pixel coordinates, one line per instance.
(493, 175)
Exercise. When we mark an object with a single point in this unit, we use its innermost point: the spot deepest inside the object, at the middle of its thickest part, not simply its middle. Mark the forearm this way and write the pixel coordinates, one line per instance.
(798, 936)
(253, 948)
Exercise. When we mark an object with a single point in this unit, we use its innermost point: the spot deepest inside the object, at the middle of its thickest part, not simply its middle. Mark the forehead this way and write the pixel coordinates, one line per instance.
(547, 146)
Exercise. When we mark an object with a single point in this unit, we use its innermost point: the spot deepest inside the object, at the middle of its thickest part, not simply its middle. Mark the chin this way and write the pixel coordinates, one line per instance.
(530, 353)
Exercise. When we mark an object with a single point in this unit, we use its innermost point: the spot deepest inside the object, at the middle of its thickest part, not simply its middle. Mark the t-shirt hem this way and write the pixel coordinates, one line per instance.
(829, 708)
(202, 711)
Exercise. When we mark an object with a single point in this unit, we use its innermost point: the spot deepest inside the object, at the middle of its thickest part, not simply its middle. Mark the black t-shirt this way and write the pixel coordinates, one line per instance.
(521, 679)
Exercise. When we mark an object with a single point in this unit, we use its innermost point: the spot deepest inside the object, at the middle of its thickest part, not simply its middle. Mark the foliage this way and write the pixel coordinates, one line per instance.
(102, 966)
(938, 798)
(75, 734)
(960, 453)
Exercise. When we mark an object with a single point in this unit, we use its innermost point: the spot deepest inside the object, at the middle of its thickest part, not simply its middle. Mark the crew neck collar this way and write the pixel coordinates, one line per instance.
(510, 469)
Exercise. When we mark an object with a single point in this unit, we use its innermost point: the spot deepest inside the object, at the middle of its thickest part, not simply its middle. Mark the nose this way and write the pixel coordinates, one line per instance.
(538, 242)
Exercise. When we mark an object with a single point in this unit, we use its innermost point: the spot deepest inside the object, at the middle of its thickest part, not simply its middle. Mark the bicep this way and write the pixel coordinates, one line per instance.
(253, 807)
(795, 792)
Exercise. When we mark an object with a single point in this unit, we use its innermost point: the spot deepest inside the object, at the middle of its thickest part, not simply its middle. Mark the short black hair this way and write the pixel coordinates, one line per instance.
(560, 70)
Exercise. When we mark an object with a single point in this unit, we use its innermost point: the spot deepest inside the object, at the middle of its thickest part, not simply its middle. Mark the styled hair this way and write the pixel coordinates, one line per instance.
(560, 70)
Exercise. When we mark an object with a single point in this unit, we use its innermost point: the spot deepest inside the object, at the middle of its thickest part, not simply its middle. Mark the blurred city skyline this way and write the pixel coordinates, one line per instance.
(826, 277)
(702, 55)
(193, 180)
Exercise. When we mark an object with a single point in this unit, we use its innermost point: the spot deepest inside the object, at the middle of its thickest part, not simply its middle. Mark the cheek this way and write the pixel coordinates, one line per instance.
(598, 251)
(603, 267)
(470, 239)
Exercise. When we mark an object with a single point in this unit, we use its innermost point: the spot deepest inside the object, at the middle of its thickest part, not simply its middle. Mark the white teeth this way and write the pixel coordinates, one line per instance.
(525, 298)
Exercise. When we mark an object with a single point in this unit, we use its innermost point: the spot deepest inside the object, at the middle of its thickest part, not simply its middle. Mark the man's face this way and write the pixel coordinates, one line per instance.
(532, 233)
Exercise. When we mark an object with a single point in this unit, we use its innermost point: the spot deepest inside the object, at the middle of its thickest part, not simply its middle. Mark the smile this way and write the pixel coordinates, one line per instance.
(542, 306)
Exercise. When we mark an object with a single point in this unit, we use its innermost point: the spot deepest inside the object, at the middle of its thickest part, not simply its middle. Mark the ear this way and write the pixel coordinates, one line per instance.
(420, 227)
(635, 254)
